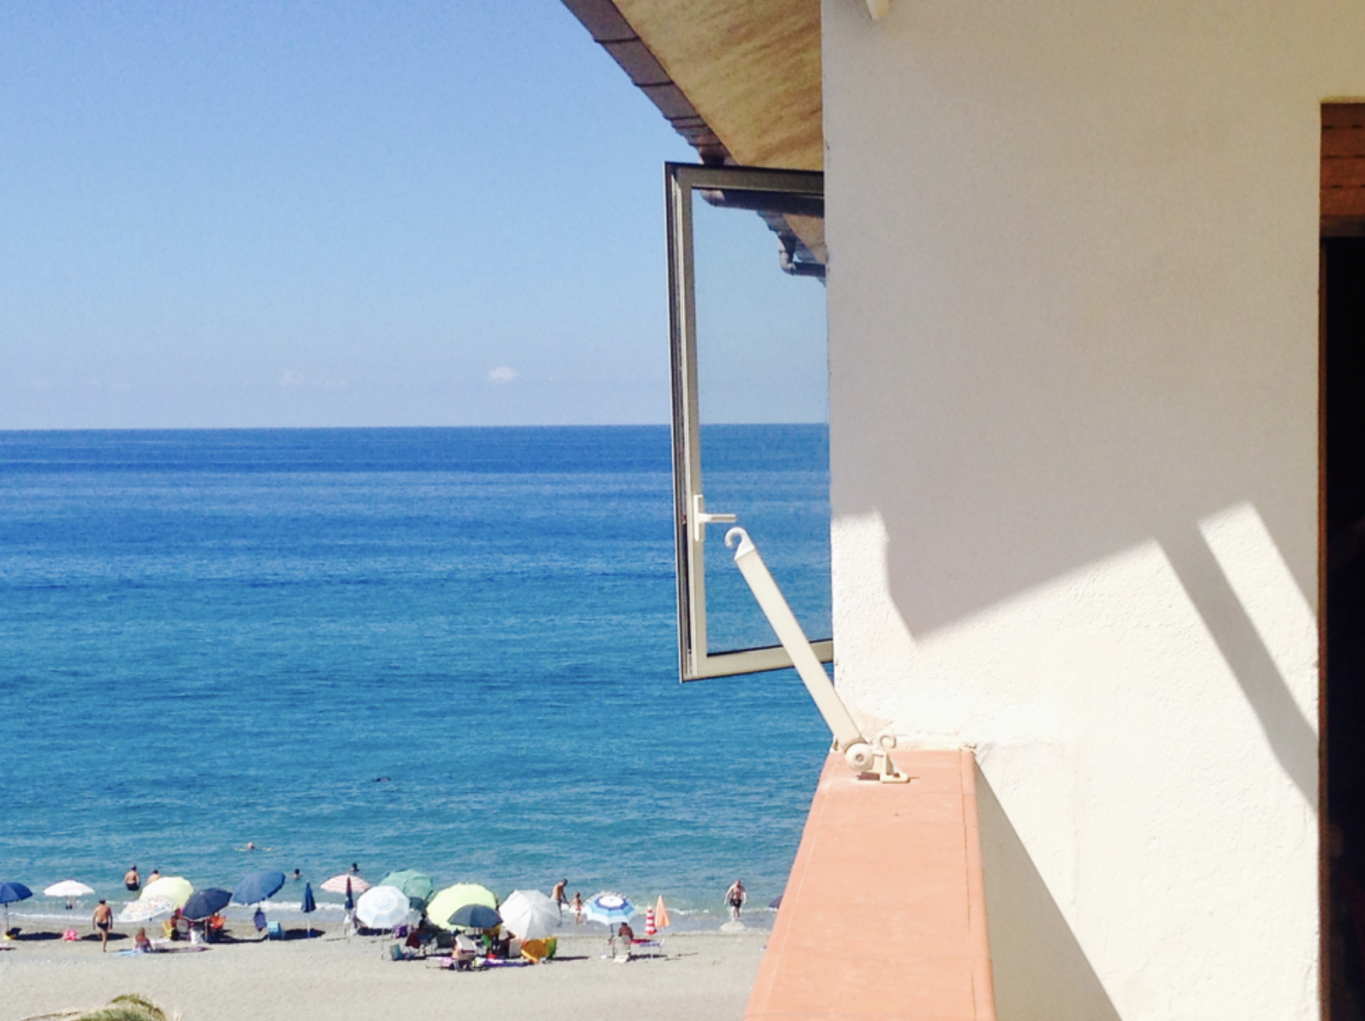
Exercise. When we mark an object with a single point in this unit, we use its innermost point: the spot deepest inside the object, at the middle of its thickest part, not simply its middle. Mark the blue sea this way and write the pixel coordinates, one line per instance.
(444, 649)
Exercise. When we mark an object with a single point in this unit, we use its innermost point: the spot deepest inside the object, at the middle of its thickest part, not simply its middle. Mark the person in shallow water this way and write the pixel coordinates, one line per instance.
(577, 906)
(156, 874)
(132, 880)
(103, 920)
(735, 898)
(557, 894)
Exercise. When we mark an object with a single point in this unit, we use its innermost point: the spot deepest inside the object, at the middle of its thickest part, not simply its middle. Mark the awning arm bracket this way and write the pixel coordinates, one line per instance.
(868, 760)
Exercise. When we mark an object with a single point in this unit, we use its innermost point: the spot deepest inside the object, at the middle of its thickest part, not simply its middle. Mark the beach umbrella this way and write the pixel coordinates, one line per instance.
(175, 888)
(344, 882)
(609, 909)
(13, 893)
(257, 886)
(661, 918)
(417, 886)
(383, 907)
(475, 916)
(309, 905)
(67, 889)
(529, 914)
(206, 902)
(446, 902)
(147, 910)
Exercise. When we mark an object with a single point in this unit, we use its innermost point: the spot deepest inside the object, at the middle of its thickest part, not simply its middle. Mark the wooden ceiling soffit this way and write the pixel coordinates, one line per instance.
(1343, 168)
(613, 33)
(739, 80)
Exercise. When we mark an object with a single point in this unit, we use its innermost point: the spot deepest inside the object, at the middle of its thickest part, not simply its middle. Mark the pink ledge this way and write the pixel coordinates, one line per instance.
(884, 916)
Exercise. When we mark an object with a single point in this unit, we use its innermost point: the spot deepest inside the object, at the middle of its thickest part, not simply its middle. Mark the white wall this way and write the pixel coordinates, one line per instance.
(1073, 356)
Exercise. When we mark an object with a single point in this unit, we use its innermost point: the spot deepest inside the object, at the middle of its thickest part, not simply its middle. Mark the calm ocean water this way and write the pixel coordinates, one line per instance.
(444, 649)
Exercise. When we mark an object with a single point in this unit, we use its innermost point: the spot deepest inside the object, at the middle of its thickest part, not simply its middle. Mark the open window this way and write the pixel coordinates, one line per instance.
(746, 261)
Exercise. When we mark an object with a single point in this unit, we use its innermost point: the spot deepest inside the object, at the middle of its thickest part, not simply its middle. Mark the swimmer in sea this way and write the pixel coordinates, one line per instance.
(132, 880)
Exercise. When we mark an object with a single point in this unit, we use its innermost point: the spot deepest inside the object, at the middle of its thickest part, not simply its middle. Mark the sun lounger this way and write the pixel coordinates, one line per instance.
(647, 948)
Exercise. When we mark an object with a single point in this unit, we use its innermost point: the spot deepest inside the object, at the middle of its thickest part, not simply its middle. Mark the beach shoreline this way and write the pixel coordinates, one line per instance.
(700, 975)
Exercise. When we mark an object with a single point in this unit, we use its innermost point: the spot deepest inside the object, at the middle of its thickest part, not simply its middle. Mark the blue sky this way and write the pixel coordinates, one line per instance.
(327, 214)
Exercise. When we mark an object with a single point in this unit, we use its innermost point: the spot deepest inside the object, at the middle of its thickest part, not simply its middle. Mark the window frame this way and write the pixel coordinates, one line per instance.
(695, 660)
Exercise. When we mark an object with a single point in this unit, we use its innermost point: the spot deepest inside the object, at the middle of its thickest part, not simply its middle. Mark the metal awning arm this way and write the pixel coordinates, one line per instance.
(861, 755)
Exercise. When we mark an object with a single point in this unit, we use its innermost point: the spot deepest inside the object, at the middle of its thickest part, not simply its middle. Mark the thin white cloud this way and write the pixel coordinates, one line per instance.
(503, 374)
(292, 378)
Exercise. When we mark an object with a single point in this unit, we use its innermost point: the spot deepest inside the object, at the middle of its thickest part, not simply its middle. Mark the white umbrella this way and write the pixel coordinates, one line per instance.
(147, 910)
(529, 914)
(68, 888)
(383, 907)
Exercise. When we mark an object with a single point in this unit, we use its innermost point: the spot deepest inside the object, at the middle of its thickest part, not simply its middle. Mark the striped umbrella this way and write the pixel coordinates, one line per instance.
(343, 882)
(609, 909)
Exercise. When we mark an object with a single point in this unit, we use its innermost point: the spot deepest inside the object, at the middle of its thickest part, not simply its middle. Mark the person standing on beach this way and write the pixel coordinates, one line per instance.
(132, 880)
(103, 920)
(557, 894)
(735, 898)
(577, 906)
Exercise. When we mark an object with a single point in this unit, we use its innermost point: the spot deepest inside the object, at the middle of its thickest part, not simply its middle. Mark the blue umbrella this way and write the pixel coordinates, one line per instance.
(12, 893)
(203, 903)
(475, 916)
(608, 908)
(309, 905)
(258, 886)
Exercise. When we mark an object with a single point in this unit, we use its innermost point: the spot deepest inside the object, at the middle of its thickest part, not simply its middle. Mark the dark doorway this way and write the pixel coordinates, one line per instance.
(1343, 365)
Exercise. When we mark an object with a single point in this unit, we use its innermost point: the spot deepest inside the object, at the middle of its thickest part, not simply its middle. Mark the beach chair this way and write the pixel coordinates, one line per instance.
(274, 930)
(647, 948)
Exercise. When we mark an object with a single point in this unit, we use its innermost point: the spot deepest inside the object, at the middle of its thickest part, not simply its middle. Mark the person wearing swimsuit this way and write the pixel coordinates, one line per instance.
(735, 898)
(104, 921)
(132, 880)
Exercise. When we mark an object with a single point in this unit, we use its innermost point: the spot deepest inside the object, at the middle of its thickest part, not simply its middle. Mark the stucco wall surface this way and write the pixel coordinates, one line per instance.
(1073, 390)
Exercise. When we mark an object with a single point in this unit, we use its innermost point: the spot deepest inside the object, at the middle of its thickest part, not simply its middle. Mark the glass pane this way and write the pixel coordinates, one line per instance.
(763, 393)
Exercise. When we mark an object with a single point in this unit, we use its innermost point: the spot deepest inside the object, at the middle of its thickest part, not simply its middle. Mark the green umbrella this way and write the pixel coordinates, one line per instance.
(414, 885)
(452, 898)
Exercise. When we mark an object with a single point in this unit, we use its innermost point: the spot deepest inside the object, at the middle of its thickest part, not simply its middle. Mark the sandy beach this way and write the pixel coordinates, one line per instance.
(704, 975)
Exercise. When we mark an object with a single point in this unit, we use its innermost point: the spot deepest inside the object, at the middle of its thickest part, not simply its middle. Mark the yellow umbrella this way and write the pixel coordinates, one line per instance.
(175, 889)
(446, 902)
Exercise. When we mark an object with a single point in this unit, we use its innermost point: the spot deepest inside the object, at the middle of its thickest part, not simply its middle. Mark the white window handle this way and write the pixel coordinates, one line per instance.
(700, 519)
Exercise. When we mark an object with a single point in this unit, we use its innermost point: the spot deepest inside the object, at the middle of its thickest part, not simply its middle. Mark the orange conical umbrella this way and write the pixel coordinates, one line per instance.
(661, 919)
